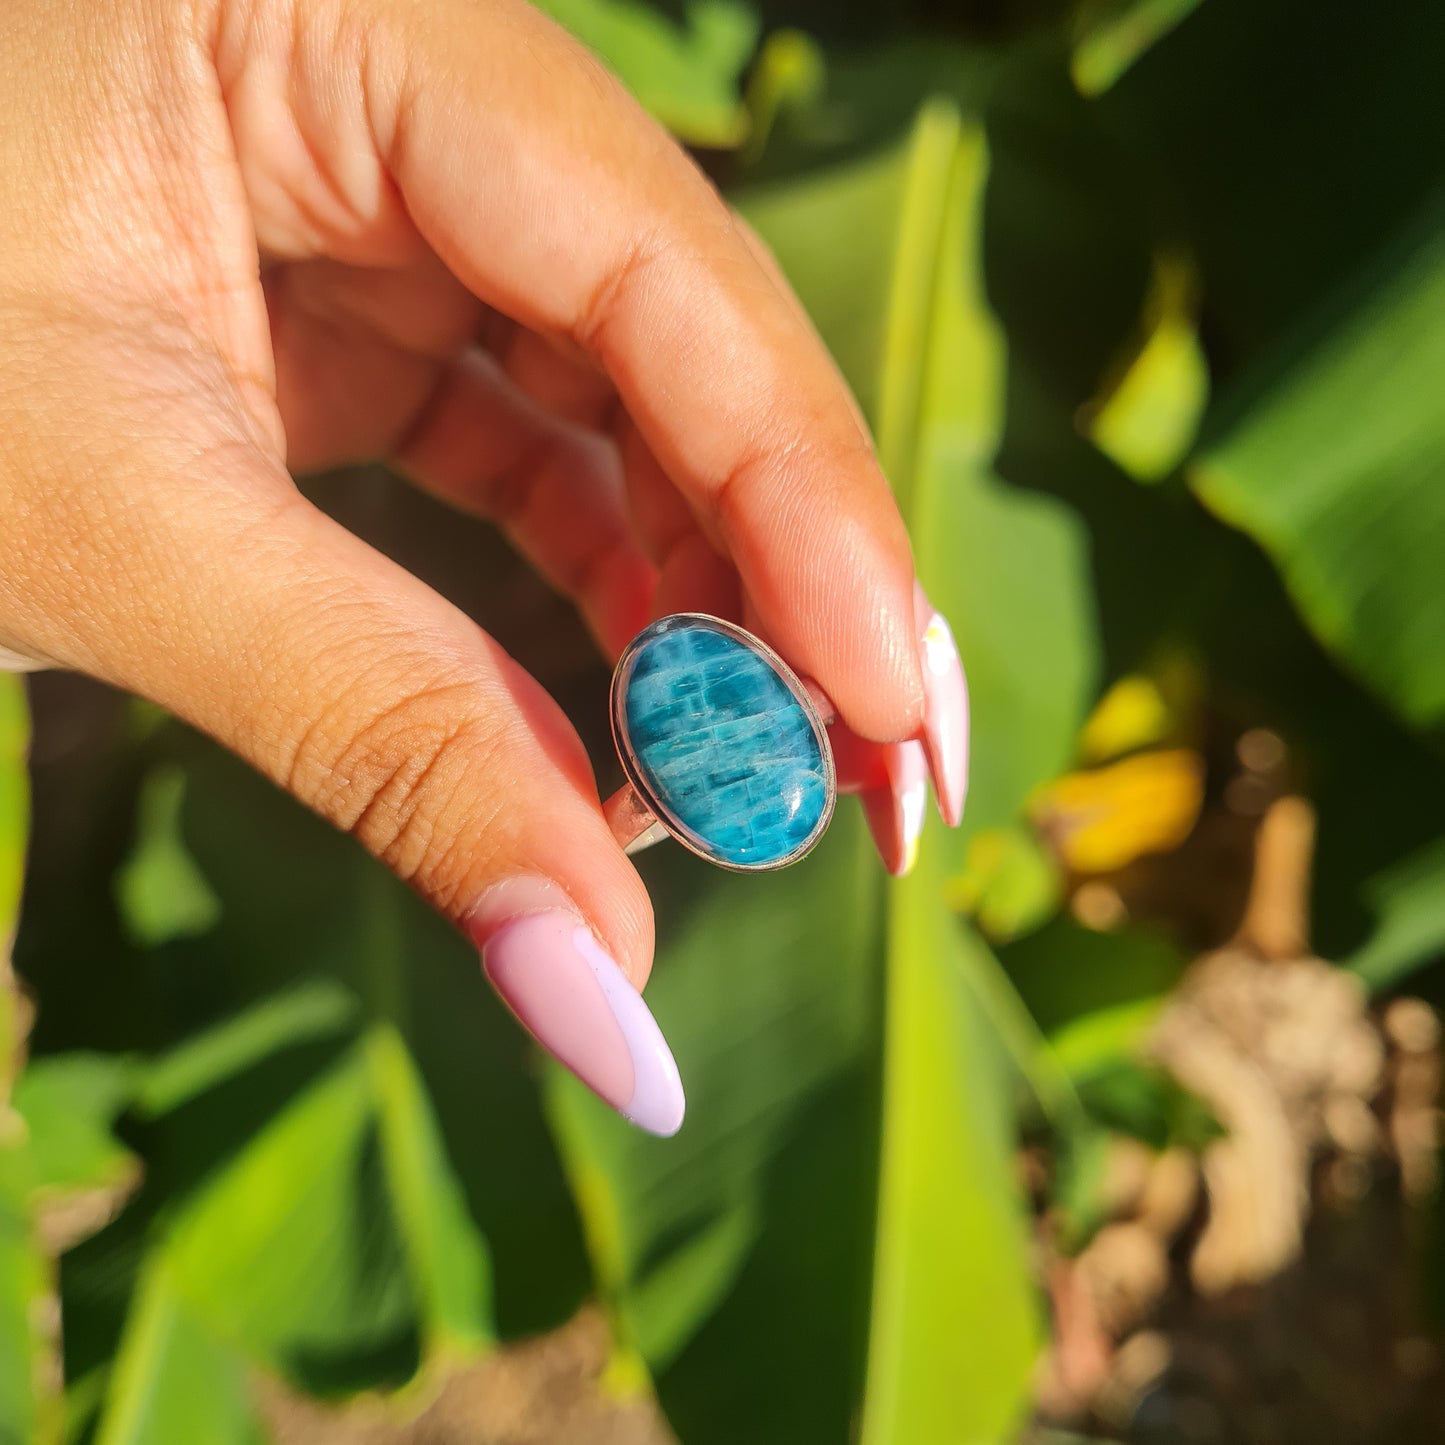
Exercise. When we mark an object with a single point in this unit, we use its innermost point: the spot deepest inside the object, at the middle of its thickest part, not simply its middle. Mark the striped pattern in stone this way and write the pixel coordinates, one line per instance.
(724, 745)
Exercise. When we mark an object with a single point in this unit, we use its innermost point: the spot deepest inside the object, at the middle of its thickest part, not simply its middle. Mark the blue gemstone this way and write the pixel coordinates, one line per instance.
(723, 744)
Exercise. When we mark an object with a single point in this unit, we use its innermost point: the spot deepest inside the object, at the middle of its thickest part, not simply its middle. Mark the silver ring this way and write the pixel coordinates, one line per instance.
(724, 747)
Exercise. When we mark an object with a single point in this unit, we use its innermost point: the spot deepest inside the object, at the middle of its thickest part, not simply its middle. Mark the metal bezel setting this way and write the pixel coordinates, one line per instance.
(628, 758)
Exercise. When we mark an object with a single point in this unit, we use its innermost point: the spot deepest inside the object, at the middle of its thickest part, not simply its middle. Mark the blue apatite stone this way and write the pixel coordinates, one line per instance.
(724, 745)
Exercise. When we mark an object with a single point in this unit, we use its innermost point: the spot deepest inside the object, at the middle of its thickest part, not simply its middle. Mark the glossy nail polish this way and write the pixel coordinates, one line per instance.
(572, 997)
(945, 722)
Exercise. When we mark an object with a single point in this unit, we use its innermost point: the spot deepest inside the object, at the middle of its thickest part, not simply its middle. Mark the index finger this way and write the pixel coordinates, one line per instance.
(556, 199)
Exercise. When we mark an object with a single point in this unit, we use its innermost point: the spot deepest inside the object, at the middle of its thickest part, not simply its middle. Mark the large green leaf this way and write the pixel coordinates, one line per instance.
(848, 1101)
(1334, 460)
(342, 917)
(23, 1268)
(322, 1189)
(1009, 571)
(1322, 305)
(173, 1379)
(1285, 142)
(954, 1321)
(735, 1255)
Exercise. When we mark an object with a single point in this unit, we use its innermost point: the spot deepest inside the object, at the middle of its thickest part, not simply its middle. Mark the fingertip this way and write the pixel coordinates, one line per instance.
(571, 995)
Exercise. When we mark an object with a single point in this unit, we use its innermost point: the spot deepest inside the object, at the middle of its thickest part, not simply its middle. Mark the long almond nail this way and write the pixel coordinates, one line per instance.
(895, 812)
(577, 1003)
(945, 720)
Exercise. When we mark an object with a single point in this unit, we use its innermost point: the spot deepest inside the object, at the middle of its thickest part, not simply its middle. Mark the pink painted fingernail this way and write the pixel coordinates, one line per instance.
(945, 719)
(576, 1002)
(895, 812)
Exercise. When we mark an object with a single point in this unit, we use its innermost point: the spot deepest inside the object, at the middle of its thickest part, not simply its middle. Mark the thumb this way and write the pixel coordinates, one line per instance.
(232, 601)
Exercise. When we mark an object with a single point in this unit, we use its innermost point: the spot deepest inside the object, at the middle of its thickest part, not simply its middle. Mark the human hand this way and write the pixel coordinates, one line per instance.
(249, 237)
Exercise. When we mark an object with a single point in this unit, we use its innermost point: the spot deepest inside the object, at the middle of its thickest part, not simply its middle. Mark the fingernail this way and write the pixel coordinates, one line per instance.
(945, 720)
(577, 1003)
(895, 812)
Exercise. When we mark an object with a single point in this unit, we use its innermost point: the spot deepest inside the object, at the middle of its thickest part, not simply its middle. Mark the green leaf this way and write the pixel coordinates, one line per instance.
(1147, 418)
(1008, 568)
(26, 1414)
(1110, 35)
(1330, 457)
(447, 1264)
(69, 1103)
(173, 1380)
(311, 1012)
(1148, 1104)
(1408, 901)
(27, 1406)
(903, 310)
(735, 1256)
(364, 944)
(1010, 883)
(161, 893)
(322, 1175)
(951, 1255)
(291, 1245)
(1070, 975)
(14, 803)
(837, 1035)
(336, 1231)
(685, 70)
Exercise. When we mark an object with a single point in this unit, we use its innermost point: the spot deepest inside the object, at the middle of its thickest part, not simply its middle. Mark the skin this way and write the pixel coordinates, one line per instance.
(245, 238)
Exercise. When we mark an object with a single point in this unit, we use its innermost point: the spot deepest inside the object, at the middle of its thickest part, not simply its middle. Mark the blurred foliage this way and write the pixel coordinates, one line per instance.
(274, 1121)
(682, 61)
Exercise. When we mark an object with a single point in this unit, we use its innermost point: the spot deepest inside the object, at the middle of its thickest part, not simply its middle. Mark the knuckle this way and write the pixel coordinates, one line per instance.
(402, 783)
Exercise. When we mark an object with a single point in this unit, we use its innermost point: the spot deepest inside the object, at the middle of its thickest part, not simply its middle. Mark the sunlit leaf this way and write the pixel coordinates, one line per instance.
(27, 1406)
(789, 74)
(1333, 457)
(447, 1264)
(79, 1174)
(315, 1011)
(403, 968)
(683, 66)
(173, 1379)
(1110, 35)
(1133, 713)
(305, 1204)
(1101, 1037)
(336, 1232)
(955, 1323)
(1408, 902)
(1147, 416)
(1010, 882)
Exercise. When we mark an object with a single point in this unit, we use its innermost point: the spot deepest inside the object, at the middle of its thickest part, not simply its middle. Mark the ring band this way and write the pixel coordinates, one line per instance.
(725, 748)
(633, 823)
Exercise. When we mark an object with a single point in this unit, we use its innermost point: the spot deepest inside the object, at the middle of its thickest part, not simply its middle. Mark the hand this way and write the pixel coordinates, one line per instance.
(248, 237)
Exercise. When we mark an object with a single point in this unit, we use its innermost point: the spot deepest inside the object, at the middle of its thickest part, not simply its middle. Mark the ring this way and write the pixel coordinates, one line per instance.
(723, 746)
